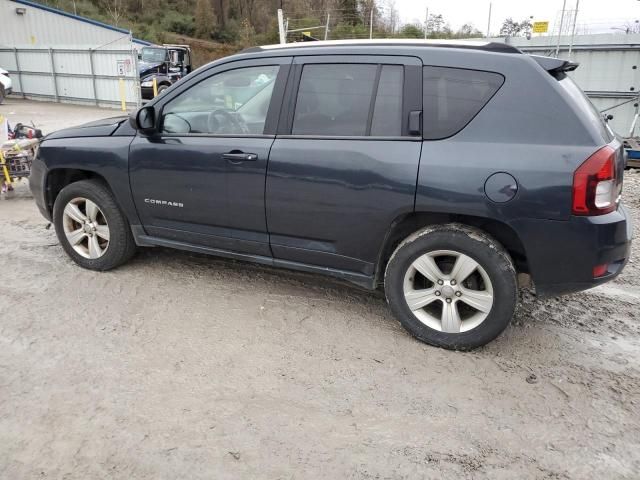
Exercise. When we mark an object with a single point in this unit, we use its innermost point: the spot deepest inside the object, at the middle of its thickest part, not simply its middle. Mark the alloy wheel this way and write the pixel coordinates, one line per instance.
(86, 228)
(448, 291)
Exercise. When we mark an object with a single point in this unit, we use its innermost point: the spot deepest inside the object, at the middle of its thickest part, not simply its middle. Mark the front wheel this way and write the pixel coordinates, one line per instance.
(90, 226)
(451, 286)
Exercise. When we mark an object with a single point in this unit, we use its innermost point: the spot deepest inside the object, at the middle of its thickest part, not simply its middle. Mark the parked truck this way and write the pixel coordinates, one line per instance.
(166, 64)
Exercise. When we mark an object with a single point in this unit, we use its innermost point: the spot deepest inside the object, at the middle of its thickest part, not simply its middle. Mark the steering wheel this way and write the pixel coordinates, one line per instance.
(231, 123)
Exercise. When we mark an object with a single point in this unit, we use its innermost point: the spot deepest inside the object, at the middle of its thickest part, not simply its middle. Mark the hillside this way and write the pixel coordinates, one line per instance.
(215, 28)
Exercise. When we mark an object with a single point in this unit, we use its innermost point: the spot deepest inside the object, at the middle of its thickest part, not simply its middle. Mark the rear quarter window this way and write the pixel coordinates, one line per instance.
(453, 96)
(588, 109)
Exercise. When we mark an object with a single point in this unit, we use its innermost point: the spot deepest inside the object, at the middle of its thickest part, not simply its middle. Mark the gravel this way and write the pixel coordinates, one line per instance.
(184, 366)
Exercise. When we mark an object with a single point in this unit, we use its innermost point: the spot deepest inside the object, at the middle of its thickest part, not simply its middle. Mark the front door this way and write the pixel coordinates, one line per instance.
(200, 179)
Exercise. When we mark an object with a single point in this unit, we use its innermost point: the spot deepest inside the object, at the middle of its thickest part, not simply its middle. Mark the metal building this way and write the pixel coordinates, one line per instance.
(55, 55)
(609, 70)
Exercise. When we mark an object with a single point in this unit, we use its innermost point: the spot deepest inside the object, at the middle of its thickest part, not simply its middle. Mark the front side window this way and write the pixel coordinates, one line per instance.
(235, 102)
(453, 96)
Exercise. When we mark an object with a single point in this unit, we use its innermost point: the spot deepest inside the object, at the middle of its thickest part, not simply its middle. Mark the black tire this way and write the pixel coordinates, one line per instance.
(2, 96)
(121, 245)
(488, 253)
(162, 88)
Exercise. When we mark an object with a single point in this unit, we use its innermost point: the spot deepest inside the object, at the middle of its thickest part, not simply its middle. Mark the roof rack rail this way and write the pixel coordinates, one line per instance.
(462, 44)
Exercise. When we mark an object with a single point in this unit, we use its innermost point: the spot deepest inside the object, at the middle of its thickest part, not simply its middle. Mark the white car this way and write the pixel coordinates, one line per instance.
(5, 84)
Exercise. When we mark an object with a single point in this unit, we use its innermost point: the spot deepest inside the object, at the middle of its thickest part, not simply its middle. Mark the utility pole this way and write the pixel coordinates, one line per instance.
(489, 21)
(564, 8)
(573, 29)
(426, 23)
(371, 23)
(326, 27)
(281, 30)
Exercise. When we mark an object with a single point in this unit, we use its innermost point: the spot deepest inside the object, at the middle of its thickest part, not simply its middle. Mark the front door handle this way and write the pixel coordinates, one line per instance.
(236, 156)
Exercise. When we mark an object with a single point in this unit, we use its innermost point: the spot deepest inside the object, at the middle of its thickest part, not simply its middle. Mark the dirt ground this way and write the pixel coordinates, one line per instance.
(184, 366)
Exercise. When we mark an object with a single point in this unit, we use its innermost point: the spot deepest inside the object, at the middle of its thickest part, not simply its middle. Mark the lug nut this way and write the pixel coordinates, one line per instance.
(458, 294)
(440, 282)
(448, 300)
(437, 293)
(453, 282)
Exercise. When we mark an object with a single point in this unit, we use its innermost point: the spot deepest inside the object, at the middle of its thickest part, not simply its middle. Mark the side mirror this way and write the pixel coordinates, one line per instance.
(144, 119)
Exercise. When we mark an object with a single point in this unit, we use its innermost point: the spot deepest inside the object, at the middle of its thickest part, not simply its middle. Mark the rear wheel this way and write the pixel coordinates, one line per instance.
(90, 226)
(451, 286)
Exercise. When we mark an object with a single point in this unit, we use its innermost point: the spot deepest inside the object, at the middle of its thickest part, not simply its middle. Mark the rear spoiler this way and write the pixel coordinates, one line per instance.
(555, 65)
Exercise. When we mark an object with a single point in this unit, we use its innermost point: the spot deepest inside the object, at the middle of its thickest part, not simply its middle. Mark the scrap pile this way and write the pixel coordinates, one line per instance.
(18, 148)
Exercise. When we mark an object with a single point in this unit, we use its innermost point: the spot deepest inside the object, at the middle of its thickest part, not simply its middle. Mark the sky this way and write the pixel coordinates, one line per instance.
(594, 16)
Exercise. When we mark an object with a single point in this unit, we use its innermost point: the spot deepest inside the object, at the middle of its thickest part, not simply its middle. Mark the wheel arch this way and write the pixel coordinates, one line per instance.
(406, 224)
(58, 178)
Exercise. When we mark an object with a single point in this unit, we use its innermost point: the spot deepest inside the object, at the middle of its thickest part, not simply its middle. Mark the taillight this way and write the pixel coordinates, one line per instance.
(594, 184)
(600, 270)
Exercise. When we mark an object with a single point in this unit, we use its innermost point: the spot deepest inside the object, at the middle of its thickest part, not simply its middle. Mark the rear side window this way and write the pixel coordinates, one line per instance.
(387, 113)
(349, 100)
(453, 96)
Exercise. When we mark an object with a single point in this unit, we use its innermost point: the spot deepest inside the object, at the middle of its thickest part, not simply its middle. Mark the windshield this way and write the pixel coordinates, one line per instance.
(153, 55)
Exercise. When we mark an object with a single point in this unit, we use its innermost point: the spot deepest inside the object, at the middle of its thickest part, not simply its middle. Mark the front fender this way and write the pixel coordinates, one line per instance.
(105, 157)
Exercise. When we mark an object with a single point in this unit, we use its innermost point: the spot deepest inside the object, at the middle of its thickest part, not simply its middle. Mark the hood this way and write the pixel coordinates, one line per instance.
(97, 128)
(145, 67)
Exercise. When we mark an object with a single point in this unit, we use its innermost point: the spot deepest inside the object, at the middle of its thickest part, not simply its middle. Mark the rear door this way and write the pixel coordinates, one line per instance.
(345, 160)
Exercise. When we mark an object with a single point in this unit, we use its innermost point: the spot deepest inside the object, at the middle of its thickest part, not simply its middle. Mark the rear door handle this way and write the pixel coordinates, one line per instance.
(240, 157)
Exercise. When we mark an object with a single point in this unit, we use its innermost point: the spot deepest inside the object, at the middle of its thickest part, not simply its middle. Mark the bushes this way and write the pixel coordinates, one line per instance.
(179, 23)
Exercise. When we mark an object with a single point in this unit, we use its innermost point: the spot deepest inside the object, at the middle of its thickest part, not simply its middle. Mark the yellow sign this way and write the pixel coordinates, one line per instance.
(306, 34)
(540, 27)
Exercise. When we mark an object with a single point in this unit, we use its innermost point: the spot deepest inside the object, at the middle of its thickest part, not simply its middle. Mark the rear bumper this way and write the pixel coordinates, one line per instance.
(562, 254)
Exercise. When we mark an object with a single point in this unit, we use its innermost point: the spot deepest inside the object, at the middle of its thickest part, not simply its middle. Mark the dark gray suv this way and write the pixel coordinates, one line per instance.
(436, 171)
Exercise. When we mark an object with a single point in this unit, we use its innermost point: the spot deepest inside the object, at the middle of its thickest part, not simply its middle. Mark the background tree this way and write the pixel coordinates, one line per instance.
(468, 31)
(511, 28)
(204, 19)
(435, 23)
(114, 9)
(411, 31)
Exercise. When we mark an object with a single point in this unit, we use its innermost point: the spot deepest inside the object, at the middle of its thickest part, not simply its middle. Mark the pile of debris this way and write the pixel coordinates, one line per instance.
(18, 148)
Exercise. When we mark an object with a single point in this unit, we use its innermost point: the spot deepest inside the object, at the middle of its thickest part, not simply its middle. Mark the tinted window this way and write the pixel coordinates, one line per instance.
(453, 96)
(334, 99)
(387, 114)
(588, 109)
(229, 103)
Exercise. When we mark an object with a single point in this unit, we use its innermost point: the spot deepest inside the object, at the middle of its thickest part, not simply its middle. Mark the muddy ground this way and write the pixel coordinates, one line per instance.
(184, 366)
